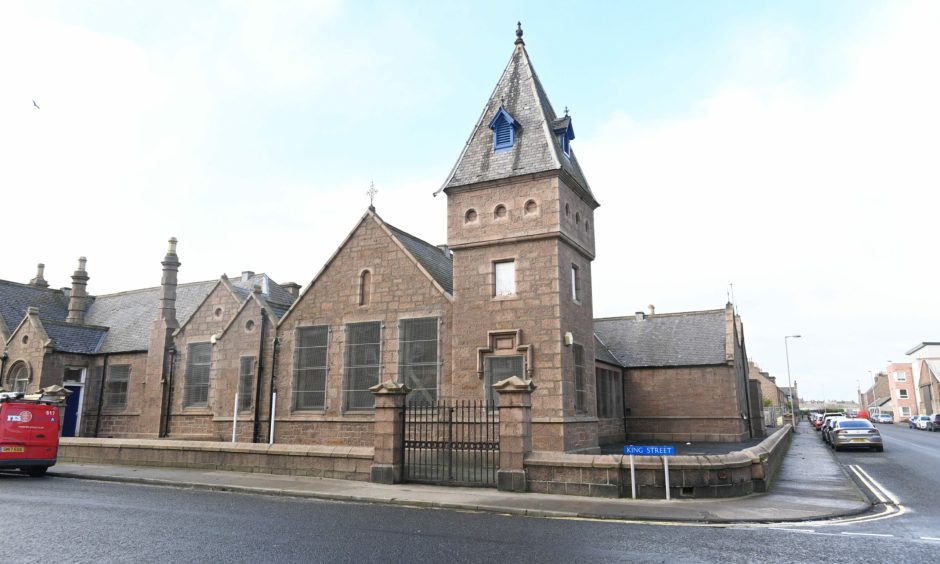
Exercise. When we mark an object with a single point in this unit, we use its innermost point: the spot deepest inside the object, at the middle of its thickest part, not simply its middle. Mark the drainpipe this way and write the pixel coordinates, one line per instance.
(277, 348)
(104, 375)
(3, 364)
(623, 401)
(169, 394)
(256, 432)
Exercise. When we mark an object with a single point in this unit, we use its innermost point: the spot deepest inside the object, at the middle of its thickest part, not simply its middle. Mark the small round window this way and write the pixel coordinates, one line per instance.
(218, 312)
(531, 207)
(249, 326)
(470, 216)
(500, 212)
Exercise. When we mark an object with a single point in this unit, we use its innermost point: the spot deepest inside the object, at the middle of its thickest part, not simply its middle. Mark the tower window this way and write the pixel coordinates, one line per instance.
(504, 130)
(500, 212)
(575, 284)
(504, 274)
(365, 288)
(531, 207)
(470, 216)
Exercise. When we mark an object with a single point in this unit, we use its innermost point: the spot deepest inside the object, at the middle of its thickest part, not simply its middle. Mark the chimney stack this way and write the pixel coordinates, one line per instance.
(640, 316)
(651, 309)
(171, 266)
(78, 298)
(292, 288)
(246, 276)
(39, 280)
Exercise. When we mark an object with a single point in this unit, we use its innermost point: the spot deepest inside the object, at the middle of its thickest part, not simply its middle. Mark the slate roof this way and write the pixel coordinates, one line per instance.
(128, 315)
(675, 339)
(435, 260)
(15, 298)
(603, 354)
(535, 149)
(71, 338)
(271, 290)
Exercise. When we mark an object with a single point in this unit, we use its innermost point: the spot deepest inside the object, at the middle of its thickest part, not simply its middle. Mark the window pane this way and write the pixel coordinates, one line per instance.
(246, 380)
(310, 367)
(196, 393)
(578, 377)
(499, 368)
(363, 365)
(505, 278)
(115, 389)
(417, 358)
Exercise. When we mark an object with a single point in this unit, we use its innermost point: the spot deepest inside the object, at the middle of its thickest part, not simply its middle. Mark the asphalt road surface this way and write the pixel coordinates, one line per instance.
(74, 520)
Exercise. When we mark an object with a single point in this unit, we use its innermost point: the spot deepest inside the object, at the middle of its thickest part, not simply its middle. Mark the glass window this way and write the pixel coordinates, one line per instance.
(900, 377)
(246, 380)
(578, 377)
(417, 358)
(198, 363)
(609, 394)
(115, 387)
(505, 275)
(310, 367)
(902, 394)
(499, 368)
(18, 378)
(905, 411)
(575, 284)
(363, 364)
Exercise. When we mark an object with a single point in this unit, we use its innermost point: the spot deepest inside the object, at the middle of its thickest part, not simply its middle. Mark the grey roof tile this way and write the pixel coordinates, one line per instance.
(674, 339)
(603, 354)
(270, 289)
(435, 260)
(535, 149)
(71, 338)
(15, 298)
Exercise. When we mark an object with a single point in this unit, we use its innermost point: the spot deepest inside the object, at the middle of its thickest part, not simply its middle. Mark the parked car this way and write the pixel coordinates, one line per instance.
(922, 422)
(883, 418)
(914, 422)
(933, 422)
(821, 418)
(828, 423)
(855, 433)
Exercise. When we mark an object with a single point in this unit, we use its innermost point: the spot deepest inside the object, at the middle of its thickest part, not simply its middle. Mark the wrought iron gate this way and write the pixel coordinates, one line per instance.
(451, 442)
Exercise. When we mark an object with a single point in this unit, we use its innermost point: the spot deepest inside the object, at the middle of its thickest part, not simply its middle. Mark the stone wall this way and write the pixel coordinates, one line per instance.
(735, 474)
(344, 463)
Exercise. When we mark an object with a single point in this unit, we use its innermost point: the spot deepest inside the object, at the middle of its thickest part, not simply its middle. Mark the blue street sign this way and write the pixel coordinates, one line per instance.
(650, 450)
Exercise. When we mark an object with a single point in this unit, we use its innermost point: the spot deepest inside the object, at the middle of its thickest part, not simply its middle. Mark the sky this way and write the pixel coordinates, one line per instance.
(783, 154)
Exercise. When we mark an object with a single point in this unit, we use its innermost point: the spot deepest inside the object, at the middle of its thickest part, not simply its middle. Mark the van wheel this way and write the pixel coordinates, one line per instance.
(37, 471)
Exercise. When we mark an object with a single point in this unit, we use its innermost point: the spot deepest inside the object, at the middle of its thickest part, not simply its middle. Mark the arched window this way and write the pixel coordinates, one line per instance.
(365, 287)
(18, 377)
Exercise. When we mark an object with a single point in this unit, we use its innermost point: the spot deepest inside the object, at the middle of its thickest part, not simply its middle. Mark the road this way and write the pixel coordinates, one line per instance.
(88, 521)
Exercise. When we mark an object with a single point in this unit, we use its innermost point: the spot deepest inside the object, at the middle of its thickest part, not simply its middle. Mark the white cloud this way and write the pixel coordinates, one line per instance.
(816, 207)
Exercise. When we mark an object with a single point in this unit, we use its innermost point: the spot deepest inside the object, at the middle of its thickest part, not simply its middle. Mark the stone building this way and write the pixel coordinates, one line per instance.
(901, 388)
(510, 294)
(925, 369)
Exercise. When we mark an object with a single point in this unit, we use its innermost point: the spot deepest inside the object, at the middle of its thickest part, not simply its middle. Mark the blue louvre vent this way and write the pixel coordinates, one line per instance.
(504, 130)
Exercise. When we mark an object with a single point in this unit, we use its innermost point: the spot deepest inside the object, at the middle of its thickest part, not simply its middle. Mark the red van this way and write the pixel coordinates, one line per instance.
(29, 435)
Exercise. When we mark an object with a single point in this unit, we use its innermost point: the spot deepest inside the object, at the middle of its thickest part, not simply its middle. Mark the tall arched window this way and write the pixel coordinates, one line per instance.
(18, 377)
(365, 287)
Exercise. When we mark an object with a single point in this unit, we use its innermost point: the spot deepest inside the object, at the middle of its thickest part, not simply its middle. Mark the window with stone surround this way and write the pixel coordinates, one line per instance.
(418, 358)
(905, 411)
(246, 380)
(609, 394)
(310, 367)
(575, 284)
(18, 377)
(504, 276)
(578, 351)
(363, 365)
(365, 287)
(198, 364)
(115, 386)
(900, 377)
(902, 394)
(498, 368)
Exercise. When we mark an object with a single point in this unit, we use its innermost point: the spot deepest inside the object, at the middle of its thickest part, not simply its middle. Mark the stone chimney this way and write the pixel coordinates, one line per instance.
(651, 309)
(292, 288)
(78, 298)
(246, 276)
(171, 266)
(640, 316)
(39, 280)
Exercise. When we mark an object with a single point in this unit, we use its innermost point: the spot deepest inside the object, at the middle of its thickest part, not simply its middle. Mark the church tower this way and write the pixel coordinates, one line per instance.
(520, 223)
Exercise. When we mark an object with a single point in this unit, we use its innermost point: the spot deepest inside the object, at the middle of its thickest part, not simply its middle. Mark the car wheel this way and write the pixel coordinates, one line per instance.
(37, 471)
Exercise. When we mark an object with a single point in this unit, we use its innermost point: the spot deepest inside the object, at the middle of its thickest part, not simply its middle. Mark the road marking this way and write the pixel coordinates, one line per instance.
(894, 499)
(867, 534)
(811, 531)
(868, 484)
(930, 538)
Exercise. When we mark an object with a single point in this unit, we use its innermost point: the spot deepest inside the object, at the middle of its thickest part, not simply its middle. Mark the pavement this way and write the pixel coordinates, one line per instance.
(810, 486)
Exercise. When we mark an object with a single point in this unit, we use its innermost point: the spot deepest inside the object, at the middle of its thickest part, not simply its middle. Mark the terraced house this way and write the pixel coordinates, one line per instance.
(510, 294)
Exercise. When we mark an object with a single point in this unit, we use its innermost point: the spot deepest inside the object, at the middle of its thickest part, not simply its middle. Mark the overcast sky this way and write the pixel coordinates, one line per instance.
(790, 148)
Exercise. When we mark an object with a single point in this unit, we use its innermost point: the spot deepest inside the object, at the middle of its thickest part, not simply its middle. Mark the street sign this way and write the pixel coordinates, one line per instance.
(650, 450)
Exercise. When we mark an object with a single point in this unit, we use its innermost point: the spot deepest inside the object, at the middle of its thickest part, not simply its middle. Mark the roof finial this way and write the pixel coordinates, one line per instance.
(371, 193)
(519, 40)
(566, 111)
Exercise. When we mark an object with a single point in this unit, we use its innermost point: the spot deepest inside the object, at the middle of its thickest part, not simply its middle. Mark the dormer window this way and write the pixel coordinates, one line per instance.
(565, 133)
(504, 130)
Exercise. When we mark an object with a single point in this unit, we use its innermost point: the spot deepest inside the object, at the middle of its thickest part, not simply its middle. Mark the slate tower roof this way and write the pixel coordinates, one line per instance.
(536, 148)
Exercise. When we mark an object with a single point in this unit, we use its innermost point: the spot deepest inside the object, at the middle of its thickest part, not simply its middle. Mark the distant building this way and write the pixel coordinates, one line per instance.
(925, 370)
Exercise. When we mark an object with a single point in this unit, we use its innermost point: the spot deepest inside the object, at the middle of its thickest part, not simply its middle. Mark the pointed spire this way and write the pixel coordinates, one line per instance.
(519, 40)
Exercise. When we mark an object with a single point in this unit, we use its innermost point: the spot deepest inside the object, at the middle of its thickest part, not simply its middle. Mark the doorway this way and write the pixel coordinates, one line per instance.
(73, 381)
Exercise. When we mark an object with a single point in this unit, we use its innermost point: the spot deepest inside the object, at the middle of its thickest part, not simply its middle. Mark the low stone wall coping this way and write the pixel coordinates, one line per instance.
(241, 448)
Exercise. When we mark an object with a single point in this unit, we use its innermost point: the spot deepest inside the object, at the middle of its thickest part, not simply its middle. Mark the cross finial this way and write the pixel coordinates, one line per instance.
(519, 40)
(566, 111)
(371, 193)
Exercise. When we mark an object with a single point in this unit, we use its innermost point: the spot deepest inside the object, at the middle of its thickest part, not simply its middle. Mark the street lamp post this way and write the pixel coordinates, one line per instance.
(789, 382)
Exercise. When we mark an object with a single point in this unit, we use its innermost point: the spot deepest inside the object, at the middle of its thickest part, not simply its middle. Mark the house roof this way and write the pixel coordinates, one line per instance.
(128, 315)
(271, 290)
(15, 298)
(920, 346)
(675, 339)
(72, 338)
(603, 354)
(535, 149)
(436, 261)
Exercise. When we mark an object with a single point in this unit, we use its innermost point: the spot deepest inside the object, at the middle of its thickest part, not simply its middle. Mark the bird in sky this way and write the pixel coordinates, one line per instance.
(35, 104)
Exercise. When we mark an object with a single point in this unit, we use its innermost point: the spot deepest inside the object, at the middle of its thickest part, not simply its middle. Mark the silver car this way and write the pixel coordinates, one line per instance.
(855, 433)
